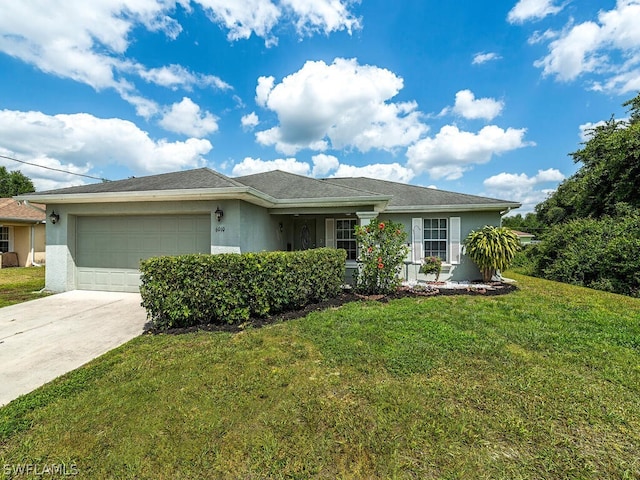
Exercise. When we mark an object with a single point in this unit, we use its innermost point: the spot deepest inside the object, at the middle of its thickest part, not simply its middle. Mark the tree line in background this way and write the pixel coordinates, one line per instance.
(589, 229)
(14, 183)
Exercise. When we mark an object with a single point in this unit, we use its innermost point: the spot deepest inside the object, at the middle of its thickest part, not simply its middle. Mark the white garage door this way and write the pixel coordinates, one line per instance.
(109, 249)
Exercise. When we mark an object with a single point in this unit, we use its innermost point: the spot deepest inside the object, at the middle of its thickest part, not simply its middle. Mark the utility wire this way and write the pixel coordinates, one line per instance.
(55, 169)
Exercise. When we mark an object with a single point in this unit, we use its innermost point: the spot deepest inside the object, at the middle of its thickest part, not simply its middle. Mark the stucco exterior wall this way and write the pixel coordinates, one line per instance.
(61, 237)
(244, 227)
(469, 221)
(39, 255)
(260, 230)
(21, 242)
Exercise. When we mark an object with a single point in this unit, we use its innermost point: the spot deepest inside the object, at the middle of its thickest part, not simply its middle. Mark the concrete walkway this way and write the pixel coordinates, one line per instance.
(45, 338)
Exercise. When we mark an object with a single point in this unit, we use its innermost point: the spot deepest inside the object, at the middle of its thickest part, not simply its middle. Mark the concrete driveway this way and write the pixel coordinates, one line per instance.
(45, 338)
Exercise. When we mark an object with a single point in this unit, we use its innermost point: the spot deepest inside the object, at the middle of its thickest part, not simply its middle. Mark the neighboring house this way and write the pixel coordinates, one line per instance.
(524, 237)
(103, 230)
(22, 233)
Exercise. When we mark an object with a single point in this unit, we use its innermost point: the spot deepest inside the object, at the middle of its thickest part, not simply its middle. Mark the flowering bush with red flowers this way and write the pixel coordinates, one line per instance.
(382, 251)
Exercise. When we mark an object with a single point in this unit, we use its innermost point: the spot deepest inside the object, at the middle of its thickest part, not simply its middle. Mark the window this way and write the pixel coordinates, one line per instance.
(345, 237)
(435, 238)
(4, 239)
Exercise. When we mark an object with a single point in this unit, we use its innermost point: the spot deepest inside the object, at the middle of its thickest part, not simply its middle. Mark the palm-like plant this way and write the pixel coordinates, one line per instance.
(492, 249)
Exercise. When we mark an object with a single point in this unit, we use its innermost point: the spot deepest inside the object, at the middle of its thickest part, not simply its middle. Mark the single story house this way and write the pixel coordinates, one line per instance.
(103, 230)
(22, 233)
(524, 237)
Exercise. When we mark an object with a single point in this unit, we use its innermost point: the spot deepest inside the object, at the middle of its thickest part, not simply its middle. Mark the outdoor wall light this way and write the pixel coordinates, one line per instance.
(219, 213)
(55, 218)
(281, 226)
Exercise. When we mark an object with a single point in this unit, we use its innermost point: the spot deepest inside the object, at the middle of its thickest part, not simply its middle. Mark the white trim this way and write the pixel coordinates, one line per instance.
(217, 249)
(454, 240)
(330, 232)
(486, 207)
(248, 194)
(417, 234)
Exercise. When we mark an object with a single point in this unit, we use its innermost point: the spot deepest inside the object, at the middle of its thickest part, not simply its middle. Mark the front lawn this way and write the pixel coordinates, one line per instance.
(543, 383)
(20, 284)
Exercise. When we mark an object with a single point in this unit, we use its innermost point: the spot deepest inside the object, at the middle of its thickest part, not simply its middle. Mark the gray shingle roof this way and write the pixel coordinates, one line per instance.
(287, 187)
(283, 186)
(188, 179)
(405, 195)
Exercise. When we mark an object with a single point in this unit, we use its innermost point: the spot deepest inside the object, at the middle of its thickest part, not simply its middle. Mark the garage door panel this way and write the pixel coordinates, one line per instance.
(109, 249)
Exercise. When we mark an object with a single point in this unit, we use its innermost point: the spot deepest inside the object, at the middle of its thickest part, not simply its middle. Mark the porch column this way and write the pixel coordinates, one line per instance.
(366, 217)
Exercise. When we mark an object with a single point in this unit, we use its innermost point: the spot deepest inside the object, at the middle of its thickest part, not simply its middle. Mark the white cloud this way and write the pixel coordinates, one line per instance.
(608, 48)
(541, 37)
(470, 107)
(265, 85)
(485, 57)
(585, 129)
(249, 166)
(78, 39)
(526, 10)
(260, 17)
(522, 188)
(323, 164)
(383, 171)
(250, 121)
(244, 18)
(343, 104)
(145, 108)
(452, 152)
(571, 54)
(83, 143)
(187, 118)
(325, 16)
(174, 76)
(88, 42)
(50, 177)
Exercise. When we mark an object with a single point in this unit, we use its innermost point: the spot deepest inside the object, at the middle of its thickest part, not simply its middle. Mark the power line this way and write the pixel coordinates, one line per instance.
(55, 169)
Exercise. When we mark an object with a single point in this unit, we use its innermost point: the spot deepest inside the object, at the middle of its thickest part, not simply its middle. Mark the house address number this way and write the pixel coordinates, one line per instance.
(219, 229)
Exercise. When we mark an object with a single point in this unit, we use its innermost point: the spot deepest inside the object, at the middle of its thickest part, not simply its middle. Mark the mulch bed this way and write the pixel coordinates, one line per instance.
(496, 288)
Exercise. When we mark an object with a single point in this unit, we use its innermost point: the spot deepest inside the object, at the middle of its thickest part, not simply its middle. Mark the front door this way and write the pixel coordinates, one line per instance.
(304, 233)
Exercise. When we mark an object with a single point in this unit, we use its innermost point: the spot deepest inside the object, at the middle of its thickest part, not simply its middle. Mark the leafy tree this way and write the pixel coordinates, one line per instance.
(14, 183)
(609, 174)
(529, 223)
(599, 253)
(382, 251)
(491, 249)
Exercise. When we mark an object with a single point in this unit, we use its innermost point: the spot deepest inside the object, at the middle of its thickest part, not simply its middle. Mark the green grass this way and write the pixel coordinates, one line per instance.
(540, 384)
(20, 284)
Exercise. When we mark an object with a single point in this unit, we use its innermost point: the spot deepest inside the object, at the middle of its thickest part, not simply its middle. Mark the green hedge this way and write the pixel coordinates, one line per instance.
(189, 290)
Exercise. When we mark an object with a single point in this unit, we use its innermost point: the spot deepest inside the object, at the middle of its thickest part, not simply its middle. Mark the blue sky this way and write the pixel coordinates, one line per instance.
(486, 98)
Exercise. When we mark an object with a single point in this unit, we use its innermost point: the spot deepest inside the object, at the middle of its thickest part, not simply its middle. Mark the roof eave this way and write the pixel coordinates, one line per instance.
(27, 221)
(150, 196)
(378, 201)
(477, 207)
(248, 194)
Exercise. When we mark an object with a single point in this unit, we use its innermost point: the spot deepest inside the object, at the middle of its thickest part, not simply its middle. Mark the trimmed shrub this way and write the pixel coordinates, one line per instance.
(187, 290)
